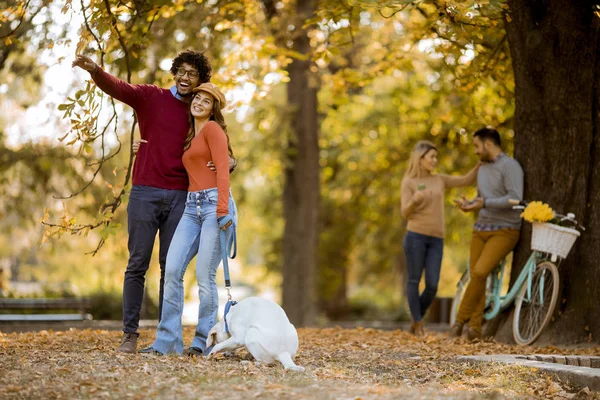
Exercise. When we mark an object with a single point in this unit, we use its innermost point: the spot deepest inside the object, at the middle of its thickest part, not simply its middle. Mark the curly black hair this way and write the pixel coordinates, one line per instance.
(195, 59)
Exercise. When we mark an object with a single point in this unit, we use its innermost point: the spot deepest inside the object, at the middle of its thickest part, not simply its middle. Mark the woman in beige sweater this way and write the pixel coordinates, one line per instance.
(423, 207)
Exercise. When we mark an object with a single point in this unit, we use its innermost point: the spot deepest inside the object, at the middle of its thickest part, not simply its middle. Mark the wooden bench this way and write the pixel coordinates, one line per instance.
(82, 305)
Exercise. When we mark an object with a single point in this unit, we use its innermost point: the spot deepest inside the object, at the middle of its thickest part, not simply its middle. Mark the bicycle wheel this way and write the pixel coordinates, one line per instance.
(533, 315)
(460, 292)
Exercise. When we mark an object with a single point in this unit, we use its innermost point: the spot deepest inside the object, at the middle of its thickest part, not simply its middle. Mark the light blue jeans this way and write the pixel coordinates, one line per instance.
(197, 233)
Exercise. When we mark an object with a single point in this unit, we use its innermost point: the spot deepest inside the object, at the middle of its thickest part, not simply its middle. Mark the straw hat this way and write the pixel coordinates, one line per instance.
(214, 91)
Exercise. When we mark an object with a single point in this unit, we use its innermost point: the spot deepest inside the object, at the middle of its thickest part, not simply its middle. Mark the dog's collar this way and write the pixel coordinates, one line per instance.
(229, 304)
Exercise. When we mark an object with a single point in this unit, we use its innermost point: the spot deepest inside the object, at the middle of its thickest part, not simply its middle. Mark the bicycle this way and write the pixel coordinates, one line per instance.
(535, 291)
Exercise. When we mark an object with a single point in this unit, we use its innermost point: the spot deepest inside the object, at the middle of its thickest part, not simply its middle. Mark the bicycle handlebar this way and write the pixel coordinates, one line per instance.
(521, 204)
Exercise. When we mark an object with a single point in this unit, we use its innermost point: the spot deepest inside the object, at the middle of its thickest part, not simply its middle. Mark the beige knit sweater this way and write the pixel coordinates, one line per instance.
(427, 216)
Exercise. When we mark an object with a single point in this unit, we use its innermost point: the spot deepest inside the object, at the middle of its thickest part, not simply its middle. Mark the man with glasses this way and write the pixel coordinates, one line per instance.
(160, 182)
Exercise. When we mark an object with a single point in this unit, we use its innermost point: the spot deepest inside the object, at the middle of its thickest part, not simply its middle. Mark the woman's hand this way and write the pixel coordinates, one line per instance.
(136, 145)
(419, 196)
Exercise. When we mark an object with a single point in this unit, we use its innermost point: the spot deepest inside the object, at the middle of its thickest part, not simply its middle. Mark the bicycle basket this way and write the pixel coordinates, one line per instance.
(553, 239)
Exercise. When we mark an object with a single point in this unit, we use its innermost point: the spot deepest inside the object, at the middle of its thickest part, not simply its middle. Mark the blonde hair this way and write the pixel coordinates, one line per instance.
(414, 165)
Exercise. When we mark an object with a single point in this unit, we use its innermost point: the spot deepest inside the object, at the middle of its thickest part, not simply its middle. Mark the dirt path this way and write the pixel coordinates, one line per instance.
(340, 364)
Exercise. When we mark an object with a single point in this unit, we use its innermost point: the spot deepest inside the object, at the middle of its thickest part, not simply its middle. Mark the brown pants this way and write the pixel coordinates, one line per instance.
(487, 250)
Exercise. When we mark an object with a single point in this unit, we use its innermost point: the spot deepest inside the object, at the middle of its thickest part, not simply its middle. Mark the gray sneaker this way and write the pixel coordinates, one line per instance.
(129, 343)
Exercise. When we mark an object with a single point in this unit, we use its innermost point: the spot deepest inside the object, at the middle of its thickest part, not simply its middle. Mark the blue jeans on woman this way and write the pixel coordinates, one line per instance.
(422, 252)
(197, 233)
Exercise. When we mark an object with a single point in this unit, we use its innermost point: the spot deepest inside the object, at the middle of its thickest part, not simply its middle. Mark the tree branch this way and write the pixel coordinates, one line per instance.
(108, 208)
(402, 8)
(21, 18)
(113, 22)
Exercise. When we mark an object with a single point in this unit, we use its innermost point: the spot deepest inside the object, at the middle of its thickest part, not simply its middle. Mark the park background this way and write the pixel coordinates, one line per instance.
(326, 100)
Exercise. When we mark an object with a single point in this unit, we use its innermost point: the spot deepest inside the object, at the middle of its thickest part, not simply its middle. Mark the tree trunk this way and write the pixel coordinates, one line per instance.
(335, 237)
(555, 47)
(333, 296)
(301, 191)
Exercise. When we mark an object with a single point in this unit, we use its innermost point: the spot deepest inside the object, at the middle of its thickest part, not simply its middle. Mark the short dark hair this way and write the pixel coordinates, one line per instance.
(488, 134)
(197, 60)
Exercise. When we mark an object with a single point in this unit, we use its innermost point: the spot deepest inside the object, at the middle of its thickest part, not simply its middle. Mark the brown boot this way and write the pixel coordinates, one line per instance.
(419, 329)
(129, 343)
(456, 330)
(416, 328)
(473, 334)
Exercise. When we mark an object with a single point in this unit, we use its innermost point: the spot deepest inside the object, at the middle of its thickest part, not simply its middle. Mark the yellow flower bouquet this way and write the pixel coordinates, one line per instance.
(536, 211)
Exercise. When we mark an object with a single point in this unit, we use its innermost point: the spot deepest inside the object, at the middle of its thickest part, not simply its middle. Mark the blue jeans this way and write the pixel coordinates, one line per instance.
(422, 253)
(197, 233)
(150, 210)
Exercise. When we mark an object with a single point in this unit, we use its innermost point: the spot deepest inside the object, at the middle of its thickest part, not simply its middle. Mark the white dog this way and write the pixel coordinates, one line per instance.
(262, 327)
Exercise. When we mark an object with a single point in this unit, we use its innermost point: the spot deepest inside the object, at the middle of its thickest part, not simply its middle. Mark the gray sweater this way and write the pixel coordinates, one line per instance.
(498, 182)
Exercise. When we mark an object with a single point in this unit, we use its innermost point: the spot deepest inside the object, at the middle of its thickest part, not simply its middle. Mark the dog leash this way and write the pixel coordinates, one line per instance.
(225, 255)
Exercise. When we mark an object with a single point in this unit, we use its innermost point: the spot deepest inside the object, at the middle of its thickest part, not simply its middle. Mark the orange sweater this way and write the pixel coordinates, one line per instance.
(427, 216)
(209, 144)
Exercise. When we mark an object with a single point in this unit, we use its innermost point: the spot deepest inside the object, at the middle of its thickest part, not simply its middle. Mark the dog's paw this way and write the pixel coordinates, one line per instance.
(296, 368)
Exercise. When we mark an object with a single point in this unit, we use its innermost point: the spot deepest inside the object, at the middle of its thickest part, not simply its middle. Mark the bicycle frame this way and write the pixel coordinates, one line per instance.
(501, 302)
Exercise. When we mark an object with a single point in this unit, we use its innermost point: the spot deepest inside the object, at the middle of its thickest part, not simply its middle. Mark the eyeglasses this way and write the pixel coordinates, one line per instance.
(190, 73)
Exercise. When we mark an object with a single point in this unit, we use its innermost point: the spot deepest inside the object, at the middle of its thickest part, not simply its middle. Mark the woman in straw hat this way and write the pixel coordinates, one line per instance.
(209, 208)
(423, 206)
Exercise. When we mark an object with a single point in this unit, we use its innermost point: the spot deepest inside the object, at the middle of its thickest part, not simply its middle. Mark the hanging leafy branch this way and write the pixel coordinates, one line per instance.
(16, 22)
(84, 109)
(20, 9)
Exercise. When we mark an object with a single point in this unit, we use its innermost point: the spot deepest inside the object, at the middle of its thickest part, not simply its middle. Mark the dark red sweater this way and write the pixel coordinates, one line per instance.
(163, 121)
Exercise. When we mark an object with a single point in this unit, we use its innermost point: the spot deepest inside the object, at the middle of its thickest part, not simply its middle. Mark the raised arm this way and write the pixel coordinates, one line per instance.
(512, 179)
(114, 87)
(468, 179)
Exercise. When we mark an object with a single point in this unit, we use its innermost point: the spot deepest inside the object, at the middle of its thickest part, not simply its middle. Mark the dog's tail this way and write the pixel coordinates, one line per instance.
(286, 359)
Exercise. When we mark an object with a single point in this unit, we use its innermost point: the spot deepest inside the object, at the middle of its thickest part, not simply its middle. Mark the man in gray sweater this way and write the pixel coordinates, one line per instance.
(496, 232)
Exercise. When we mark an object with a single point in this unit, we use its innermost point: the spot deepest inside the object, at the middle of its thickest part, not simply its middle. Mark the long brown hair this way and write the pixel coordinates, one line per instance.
(419, 151)
(216, 116)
